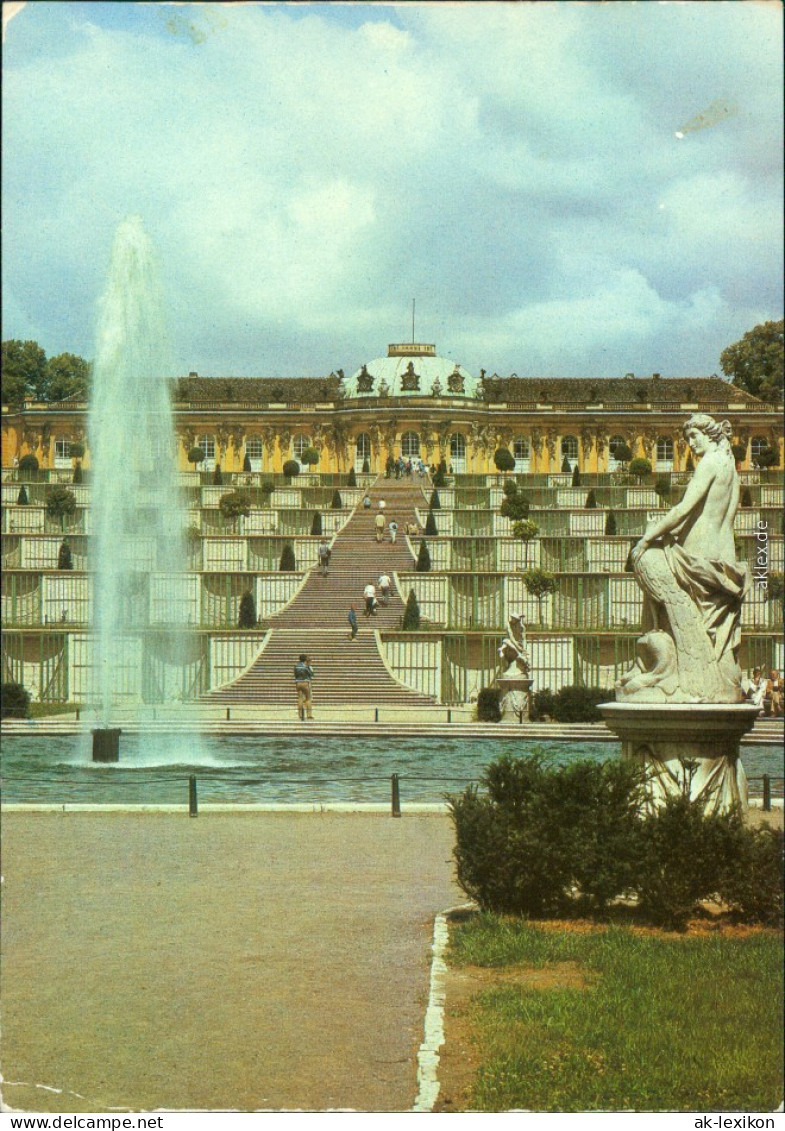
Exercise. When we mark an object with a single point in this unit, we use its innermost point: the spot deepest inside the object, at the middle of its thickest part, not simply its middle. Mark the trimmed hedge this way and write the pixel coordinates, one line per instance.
(14, 701)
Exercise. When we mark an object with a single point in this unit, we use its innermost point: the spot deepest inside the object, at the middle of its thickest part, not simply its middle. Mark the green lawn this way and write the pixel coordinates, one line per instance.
(44, 710)
(660, 1023)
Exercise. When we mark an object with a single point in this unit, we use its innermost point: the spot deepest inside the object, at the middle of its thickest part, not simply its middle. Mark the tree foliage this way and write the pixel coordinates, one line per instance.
(504, 459)
(28, 373)
(235, 503)
(310, 457)
(247, 615)
(60, 501)
(640, 467)
(755, 363)
(15, 699)
(291, 468)
(64, 559)
(411, 614)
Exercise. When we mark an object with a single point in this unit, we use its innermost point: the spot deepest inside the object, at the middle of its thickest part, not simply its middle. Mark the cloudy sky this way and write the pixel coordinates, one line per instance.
(565, 189)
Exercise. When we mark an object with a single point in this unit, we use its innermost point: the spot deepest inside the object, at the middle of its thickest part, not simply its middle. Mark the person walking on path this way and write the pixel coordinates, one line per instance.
(392, 526)
(369, 593)
(382, 504)
(385, 584)
(324, 556)
(303, 674)
(367, 502)
(379, 524)
(352, 619)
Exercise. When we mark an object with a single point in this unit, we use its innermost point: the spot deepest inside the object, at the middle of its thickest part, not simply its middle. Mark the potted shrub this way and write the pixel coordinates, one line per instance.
(60, 502)
(336, 502)
(22, 499)
(288, 562)
(610, 523)
(539, 583)
(430, 525)
(316, 524)
(64, 559)
(576, 476)
(504, 460)
(291, 469)
(591, 501)
(352, 478)
(488, 705)
(15, 701)
(247, 463)
(28, 462)
(435, 503)
(310, 457)
(366, 467)
(411, 614)
(640, 467)
(195, 456)
(217, 476)
(423, 564)
(247, 617)
(525, 529)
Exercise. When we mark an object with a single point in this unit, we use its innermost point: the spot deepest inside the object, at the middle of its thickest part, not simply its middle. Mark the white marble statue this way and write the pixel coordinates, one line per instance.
(693, 586)
(512, 651)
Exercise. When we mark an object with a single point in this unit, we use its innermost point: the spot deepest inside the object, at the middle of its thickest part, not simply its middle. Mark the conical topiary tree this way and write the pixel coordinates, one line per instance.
(591, 501)
(423, 559)
(217, 476)
(64, 559)
(430, 525)
(576, 476)
(247, 617)
(288, 562)
(435, 503)
(366, 467)
(352, 480)
(316, 524)
(610, 523)
(565, 466)
(411, 614)
(21, 499)
(746, 497)
(337, 501)
(78, 475)
(247, 462)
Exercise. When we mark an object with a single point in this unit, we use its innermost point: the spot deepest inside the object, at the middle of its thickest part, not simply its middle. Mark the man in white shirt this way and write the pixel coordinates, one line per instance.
(369, 593)
(385, 584)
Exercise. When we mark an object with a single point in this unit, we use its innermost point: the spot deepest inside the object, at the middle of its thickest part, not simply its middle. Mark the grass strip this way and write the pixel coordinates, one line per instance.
(660, 1023)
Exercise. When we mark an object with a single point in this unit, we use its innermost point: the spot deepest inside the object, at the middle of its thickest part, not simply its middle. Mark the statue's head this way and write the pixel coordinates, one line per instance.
(702, 430)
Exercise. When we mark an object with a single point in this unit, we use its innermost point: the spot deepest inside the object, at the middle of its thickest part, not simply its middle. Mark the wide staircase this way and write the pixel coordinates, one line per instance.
(315, 621)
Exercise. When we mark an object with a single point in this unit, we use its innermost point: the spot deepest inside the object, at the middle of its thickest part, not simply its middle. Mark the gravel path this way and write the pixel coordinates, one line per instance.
(254, 961)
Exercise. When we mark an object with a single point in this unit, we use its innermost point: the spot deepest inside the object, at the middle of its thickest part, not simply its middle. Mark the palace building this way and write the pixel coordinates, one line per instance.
(571, 442)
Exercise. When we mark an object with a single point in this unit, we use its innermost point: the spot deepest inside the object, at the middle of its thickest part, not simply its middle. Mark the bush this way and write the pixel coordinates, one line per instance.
(510, 487)
(366, 467)
(64, 559)
(621, 452)
(488, 705)
(745, 500)
(515, 507)
(430, 525)
(640, 468)
(291, 469)
(14, 701)
(21, 499)
(411, 614)
(504, 460)
(217, 476)
(566, 467)
(423, 564)
(234, 503)
(542, 704)
(352, 478)
(662, 488)
(751, 878)
(247, 617)
(739, 452)
(195, 455)
(680, 858)
(435, 503)
(76, 450)
(576, 476)
(78, 475)
(288, 562)
(60, 502)
(591, 501)
(610, 523)
(29, 462)
(576, 704)
(310, 457)
(766, 457)
(525, 530)
(316, 524)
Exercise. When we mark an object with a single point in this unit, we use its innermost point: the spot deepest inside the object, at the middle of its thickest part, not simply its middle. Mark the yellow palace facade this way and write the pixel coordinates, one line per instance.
(417, 405)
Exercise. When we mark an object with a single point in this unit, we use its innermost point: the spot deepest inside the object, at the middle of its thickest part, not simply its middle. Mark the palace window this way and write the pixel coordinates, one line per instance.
(62, 453)
(615, 444)
(757, 445)
(207, 444)
(569, 450)
(301, 442)
(664, 454)
(255, 452)
(362, 451)
(458, 452)
(410, 445)
(522, 453)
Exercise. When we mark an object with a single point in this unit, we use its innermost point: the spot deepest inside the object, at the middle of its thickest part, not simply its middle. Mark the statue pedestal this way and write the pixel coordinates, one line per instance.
(686, 747)
(514, 697)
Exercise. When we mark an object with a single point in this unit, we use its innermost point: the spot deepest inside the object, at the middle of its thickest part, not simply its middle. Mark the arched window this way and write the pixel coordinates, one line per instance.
(255, 452)
(362, 451)
(62, 452)
(522, 453)
(207, 444)
(615, 445)
(664, 454)
(410, 445)
(301, 442)
(569, 451)
(757, 445)
(458, 453)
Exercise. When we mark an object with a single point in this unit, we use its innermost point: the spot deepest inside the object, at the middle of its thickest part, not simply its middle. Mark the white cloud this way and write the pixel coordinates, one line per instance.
(514, 166)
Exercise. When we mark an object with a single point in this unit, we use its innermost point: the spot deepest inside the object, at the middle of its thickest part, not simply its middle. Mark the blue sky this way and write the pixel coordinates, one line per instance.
(566, 189)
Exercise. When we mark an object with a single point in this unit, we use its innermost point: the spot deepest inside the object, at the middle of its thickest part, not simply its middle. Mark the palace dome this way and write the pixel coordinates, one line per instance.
(411, 369)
